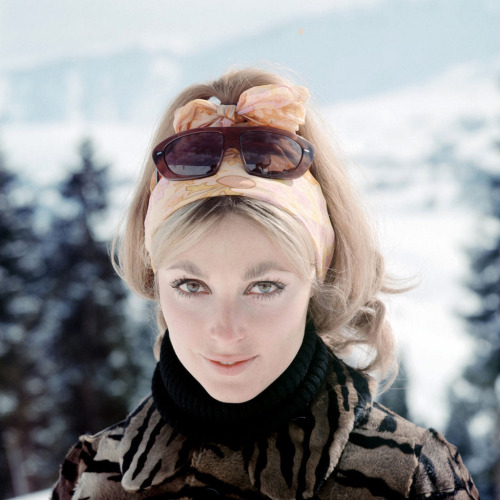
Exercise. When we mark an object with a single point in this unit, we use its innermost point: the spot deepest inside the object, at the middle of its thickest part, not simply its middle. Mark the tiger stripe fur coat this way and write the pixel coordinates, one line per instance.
(345, 446)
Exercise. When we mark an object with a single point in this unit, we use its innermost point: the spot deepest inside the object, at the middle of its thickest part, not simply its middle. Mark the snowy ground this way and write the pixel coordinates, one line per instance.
(424, 226)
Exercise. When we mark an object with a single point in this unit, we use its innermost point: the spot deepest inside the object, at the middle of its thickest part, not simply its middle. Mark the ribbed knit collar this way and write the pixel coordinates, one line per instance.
(185, 405)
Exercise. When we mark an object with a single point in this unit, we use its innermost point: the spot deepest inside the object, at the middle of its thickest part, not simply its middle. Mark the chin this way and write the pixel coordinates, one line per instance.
(231, 395)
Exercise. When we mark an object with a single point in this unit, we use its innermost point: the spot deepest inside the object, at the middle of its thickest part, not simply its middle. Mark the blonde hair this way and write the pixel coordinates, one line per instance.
(346, 308)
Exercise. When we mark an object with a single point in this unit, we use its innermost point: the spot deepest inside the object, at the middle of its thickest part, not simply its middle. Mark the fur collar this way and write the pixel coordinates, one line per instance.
(299, 457)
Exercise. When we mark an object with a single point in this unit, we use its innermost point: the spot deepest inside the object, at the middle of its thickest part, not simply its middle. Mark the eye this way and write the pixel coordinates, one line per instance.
(189, 288)
(266, 288)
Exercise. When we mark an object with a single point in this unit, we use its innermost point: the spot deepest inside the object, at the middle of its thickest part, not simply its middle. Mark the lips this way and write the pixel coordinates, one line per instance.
(228, 359)
(229, 365)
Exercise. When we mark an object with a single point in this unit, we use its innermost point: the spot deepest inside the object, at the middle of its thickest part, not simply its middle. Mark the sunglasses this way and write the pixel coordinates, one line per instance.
(265, 152)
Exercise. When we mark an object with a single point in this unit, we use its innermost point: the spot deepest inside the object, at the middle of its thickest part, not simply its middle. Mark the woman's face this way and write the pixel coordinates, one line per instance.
(235, 310)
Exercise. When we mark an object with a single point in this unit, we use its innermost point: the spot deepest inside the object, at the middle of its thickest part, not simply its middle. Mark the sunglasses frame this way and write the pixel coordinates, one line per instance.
(231, 140)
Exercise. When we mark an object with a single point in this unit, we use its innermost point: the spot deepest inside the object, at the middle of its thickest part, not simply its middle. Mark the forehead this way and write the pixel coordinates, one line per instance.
(232, 241)
(234, 251)
(251, 233)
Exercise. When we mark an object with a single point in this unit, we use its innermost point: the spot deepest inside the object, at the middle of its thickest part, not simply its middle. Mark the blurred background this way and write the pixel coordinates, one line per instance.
(412, 90)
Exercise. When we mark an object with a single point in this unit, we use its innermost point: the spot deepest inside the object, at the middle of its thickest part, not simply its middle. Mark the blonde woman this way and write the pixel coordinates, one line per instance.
(247, 234)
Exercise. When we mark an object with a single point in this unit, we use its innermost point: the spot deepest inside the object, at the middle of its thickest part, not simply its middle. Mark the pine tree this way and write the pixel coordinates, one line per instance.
(457, 431)
(19, 310)
(475, 418)
(90, 367)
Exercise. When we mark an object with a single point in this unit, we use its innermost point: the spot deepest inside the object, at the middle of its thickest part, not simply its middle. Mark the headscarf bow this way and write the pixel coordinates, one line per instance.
(278, 106)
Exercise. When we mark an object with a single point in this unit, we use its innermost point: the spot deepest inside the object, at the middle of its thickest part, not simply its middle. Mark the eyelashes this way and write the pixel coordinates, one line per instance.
(177, 284)
(191, 288)
(278, 285)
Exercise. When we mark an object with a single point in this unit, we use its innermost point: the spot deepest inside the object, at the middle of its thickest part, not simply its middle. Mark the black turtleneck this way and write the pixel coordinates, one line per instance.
(187, 407)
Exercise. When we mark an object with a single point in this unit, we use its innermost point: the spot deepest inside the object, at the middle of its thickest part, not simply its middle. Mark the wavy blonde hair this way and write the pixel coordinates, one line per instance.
(346, 308)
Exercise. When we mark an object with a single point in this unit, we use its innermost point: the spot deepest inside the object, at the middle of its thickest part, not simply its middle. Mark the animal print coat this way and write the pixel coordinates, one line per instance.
(343, 447)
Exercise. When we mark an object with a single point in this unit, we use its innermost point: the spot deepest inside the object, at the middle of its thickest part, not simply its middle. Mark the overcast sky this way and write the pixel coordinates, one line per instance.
(34, 29)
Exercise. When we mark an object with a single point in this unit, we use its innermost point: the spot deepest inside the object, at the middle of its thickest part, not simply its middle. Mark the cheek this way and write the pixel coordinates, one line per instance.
(285, 315)
(281, 332)
(173, 309)
(182, 322)
(179, 312)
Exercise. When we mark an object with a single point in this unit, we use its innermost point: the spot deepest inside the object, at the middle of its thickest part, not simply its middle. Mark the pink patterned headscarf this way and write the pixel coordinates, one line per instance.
(278, 106)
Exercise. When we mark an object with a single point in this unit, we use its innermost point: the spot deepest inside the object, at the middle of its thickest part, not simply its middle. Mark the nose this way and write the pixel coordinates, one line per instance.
(227, 325)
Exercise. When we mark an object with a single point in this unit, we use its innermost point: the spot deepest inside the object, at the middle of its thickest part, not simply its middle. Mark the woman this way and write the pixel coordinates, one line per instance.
(265, 271)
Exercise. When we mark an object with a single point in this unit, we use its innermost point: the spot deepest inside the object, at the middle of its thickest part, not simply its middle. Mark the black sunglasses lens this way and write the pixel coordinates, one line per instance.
(195, 155)
(270, 154)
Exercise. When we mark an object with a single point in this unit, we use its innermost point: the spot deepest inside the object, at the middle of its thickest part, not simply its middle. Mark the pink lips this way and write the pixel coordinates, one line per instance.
(229, 365)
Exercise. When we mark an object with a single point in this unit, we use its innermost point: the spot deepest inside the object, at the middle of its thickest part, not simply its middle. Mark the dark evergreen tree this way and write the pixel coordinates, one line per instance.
(91, 366)
(20, 270)
(475, 417)
(457, 431)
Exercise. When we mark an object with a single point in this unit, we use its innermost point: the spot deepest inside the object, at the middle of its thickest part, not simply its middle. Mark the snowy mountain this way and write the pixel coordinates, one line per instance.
(342, 55)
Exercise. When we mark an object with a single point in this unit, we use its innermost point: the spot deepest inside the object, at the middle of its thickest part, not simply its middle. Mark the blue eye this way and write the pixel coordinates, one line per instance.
(188, 288)
(266, 289)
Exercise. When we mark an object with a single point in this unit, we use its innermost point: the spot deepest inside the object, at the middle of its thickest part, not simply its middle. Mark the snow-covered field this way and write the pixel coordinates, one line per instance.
(424, 225)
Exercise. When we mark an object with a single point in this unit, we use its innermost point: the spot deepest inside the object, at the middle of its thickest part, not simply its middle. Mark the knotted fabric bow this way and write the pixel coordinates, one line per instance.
(278, 106)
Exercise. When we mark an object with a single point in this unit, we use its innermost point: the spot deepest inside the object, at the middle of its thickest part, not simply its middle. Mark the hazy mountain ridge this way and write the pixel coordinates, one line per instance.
(133, 84)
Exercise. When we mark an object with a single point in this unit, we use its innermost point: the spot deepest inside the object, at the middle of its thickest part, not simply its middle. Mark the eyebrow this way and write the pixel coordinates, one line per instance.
(189, 267)
(262, 268)
(251, 273)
